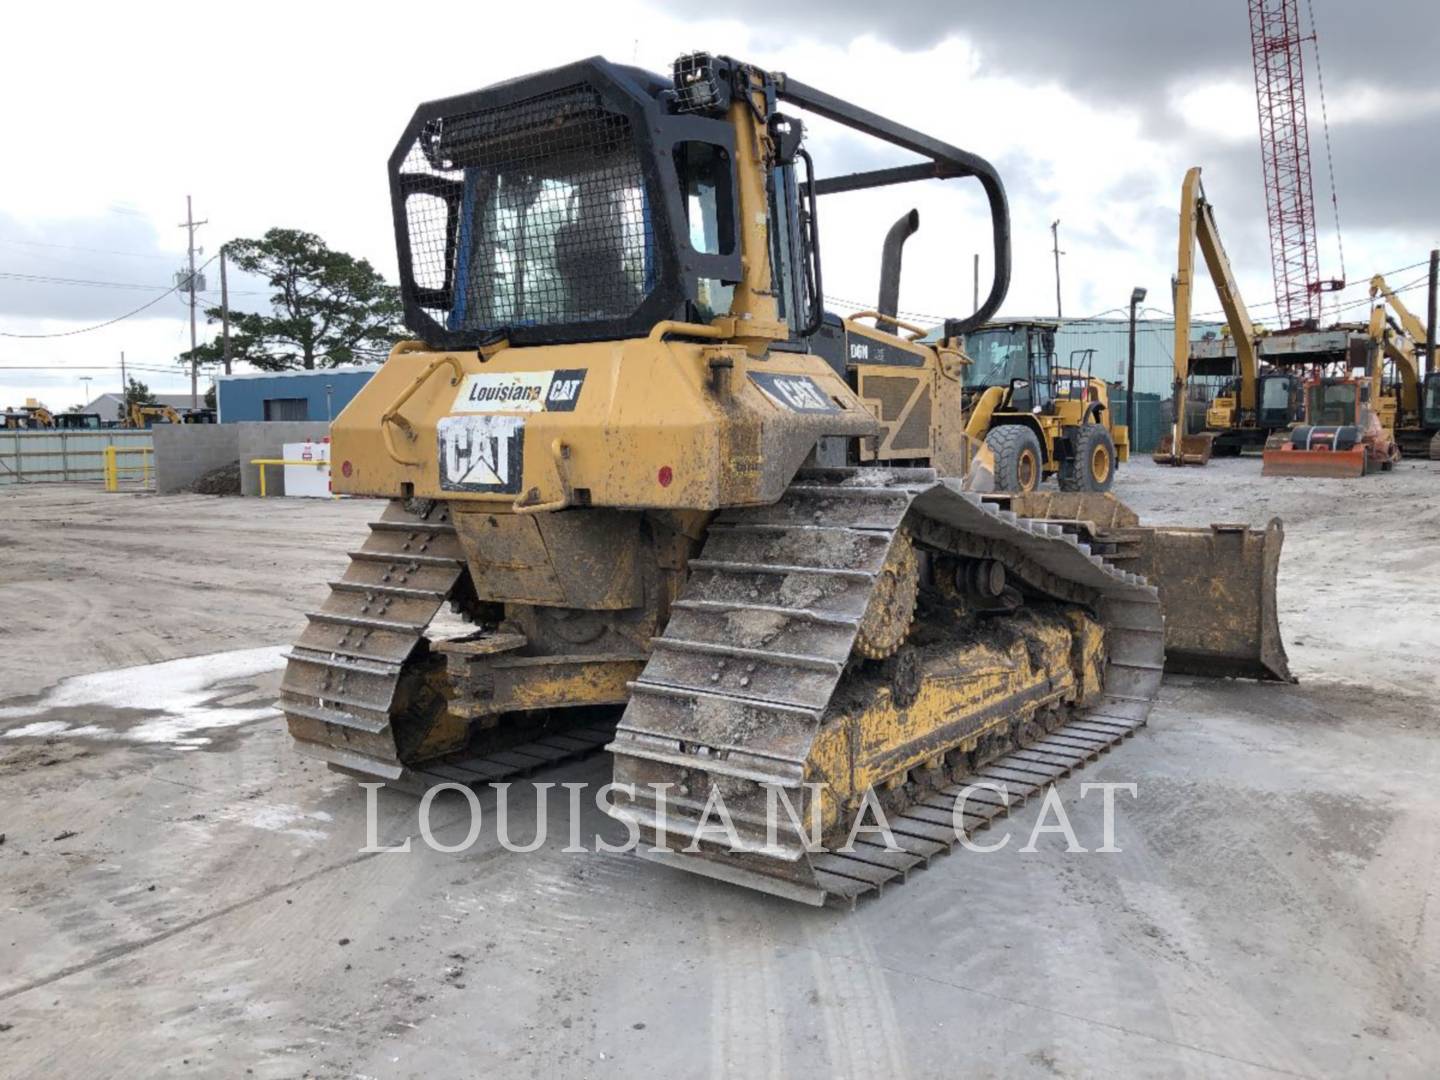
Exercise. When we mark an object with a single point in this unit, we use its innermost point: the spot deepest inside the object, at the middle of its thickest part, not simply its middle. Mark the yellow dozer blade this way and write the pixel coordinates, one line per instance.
(1216, 583)
(1194, 450)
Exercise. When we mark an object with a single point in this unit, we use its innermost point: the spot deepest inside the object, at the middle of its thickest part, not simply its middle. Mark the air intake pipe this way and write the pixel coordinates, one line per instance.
(890, 255)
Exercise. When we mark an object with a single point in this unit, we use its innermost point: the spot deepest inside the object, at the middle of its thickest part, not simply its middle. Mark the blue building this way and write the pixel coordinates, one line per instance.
(288, 395)
(1154, 366)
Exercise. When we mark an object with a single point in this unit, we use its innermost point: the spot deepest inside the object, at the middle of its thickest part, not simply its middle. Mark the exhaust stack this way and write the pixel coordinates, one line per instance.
(890, 255)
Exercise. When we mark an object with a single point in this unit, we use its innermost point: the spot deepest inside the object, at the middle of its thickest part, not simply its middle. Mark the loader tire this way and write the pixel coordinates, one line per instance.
(1092, 465)
(1018, 461)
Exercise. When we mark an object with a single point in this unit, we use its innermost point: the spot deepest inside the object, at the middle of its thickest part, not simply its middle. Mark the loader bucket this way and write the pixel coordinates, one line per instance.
(1217, 589)
(1194, 450)
(1343, 464)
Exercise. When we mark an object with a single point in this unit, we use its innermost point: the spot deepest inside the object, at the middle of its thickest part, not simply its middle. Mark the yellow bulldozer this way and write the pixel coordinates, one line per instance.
(668, 491)
(1036, 418)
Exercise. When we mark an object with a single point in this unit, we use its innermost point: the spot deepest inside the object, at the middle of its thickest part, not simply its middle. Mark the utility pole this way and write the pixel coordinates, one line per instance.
(1055, 237)
(976, 279)
(124, 392)
(1430, 328)
(190, 225)
(224, 311)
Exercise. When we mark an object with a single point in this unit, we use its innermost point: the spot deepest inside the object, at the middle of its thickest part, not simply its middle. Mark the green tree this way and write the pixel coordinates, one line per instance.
(327, 308)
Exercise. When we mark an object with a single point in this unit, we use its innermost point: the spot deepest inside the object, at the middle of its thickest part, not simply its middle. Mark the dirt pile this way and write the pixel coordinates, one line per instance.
(222, 481)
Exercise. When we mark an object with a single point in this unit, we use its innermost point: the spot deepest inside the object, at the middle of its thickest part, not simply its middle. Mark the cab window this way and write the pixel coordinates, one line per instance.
(704, 172)
(784, 243)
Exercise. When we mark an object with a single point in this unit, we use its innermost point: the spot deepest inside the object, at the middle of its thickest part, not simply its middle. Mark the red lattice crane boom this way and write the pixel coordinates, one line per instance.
(1276, 46)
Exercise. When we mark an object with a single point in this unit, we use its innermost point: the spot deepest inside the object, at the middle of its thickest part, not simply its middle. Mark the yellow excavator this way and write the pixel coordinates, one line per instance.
(691, 516)
(143, 415)
(1410, 404)
(1256, 402)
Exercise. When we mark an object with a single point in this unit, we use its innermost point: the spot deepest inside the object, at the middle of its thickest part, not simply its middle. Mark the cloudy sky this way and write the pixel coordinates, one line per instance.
(1091, 110)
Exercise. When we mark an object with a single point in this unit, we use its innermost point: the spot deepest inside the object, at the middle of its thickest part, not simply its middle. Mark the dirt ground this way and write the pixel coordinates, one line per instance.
(181, 894)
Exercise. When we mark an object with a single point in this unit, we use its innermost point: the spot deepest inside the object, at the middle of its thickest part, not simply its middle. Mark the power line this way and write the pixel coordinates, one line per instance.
(92, 250)
(110, 322)
(921, 316)
(83, 367)
(49, 279)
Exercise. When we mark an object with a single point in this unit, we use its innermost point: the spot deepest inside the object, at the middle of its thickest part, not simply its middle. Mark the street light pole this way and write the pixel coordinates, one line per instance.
(1055, 247)
(1137, 296)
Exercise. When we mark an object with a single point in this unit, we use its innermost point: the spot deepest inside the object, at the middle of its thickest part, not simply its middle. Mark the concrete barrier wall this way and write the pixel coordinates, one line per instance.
(265, 440)
(185, 452)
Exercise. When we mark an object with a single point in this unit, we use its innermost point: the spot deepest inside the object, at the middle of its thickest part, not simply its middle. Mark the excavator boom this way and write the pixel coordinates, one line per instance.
(1197, 222)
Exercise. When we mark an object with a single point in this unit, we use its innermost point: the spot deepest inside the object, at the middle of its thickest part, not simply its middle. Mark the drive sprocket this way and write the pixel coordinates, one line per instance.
(891, 608)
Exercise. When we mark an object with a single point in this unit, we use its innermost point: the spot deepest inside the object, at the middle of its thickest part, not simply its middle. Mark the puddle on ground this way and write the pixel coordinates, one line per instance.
(281, 818)
(175, 702)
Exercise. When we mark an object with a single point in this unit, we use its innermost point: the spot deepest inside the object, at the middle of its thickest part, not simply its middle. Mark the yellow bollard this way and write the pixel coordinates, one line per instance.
(112, 475)
(262, 480)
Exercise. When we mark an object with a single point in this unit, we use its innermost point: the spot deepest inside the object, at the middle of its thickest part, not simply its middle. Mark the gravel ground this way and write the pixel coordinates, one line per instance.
(181, 894)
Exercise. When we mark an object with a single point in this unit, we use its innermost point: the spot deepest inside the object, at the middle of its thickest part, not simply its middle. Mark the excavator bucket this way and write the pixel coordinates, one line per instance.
(1216, 583)
(1288, 461)
(1194, 450)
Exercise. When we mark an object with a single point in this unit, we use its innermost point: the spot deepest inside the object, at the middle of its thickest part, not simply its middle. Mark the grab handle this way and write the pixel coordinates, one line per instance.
(392, 414)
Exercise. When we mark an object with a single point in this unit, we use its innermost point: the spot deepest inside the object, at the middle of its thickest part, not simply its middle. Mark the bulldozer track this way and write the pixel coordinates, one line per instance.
(929, 828)
(804, 569)
(514, 762)
(343, 673)
(339, 693)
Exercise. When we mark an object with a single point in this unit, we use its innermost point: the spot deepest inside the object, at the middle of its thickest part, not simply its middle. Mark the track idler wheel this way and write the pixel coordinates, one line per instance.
(891, 608)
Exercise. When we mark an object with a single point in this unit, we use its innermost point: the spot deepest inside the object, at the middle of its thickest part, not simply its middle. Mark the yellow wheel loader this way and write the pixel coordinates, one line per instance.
(1037, 419)
(665, 487)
